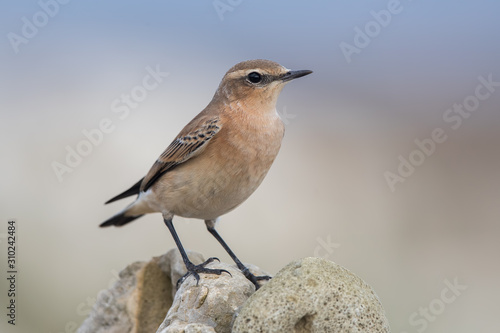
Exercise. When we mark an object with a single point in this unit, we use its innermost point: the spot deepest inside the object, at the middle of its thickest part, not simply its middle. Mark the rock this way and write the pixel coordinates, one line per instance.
(179, 327)
(313, 295)
(139, 301)
(173, 265)
(210, 305)
(310, 295)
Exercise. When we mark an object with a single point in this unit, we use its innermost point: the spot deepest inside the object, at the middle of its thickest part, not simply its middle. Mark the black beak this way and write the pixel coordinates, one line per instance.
(294, 74)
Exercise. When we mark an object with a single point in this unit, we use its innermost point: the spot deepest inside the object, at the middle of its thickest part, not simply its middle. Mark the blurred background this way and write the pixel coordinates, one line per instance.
(420, 225)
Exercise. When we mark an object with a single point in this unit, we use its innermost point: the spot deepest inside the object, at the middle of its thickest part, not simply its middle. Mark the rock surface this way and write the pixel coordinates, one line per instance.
(211, 304)
(137, 302)
(313, 295)
(310, 295)
(146, 291)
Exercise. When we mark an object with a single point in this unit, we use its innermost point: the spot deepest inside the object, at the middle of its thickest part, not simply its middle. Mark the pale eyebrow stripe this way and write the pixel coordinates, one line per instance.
(243, 72)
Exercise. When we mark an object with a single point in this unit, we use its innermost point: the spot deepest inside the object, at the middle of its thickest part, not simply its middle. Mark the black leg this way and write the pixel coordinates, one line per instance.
(192, 269)
(254, 279)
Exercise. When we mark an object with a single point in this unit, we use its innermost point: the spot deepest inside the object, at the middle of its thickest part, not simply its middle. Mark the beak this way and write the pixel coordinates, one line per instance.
(294, 74)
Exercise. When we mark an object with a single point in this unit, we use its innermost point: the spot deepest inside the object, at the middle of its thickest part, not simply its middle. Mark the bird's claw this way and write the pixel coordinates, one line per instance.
(194, 270)
(263, 277)
(253, 278)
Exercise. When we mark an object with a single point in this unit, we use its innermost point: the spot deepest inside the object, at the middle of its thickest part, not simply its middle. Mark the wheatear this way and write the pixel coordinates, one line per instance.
(219, 159)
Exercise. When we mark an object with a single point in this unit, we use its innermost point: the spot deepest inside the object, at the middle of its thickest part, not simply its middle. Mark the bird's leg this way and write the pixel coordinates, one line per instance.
(192, 269)
(254, 279)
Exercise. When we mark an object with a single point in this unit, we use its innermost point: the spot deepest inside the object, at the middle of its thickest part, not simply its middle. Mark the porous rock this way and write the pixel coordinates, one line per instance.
(136, 303)
(313, 295)
(139, 301)
(209, 306)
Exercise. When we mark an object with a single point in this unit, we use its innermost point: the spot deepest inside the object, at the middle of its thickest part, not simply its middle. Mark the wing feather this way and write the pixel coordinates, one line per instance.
(187, 145)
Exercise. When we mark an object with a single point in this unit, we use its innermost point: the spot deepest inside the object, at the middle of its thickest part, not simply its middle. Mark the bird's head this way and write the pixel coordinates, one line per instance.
(256, 83)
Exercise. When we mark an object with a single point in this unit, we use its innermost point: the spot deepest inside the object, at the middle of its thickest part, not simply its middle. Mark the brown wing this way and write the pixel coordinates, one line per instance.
(189, 143)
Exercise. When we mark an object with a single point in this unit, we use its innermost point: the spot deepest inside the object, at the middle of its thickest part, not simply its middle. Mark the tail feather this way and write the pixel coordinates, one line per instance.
(131, 191)
(118, 220)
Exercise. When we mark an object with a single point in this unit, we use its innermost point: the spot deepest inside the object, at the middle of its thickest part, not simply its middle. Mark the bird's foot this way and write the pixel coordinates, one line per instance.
(253, 278)
(194, 270)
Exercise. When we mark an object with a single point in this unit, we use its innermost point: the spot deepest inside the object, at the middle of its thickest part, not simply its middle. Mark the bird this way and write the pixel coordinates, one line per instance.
(217, 160)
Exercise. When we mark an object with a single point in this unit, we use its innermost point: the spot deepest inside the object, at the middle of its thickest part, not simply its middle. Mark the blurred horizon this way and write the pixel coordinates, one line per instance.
(417, 66)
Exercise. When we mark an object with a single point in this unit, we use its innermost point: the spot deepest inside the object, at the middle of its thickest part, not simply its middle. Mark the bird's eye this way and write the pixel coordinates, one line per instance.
(254, 77)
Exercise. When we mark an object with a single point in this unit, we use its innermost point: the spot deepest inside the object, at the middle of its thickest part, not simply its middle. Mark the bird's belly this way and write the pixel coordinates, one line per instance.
(208, 188)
